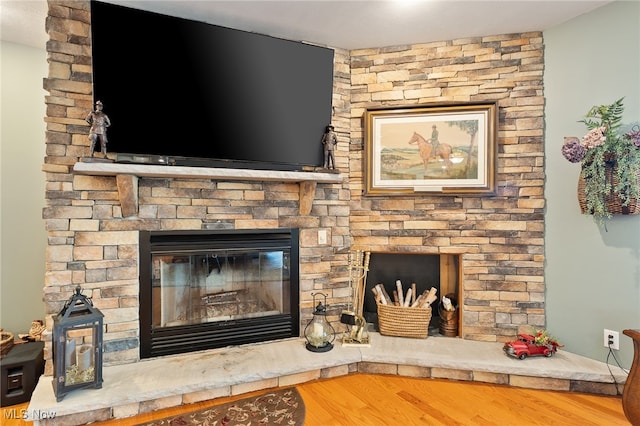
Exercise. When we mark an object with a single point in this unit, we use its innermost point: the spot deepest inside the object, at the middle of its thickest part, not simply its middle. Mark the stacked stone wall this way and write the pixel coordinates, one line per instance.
(91, 244)
(500, 237)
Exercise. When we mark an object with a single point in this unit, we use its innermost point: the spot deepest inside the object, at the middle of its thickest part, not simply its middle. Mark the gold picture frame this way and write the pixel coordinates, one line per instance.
(448, 149)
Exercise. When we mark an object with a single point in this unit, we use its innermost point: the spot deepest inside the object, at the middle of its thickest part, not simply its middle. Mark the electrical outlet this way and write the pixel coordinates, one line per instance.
(611, 339)
(322, 236)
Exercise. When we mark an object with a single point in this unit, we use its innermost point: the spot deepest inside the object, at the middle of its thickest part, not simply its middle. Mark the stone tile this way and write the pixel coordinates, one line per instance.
(294, 379)
(377, 368)
(253, 386)
(73, 419)
(451, 373)
(340, 370)
(414, 371)
(204, 395)
(126, 410)
(488, 377)
(596, 387)
(160, 403)
(540, 383)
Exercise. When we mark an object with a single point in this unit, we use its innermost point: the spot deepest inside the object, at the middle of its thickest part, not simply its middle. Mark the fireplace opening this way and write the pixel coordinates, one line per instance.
(209, 289)
(425, 270)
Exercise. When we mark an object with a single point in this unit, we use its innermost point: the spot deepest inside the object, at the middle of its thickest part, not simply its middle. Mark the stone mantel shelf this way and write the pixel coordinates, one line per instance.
(160, 171)
(127, 179)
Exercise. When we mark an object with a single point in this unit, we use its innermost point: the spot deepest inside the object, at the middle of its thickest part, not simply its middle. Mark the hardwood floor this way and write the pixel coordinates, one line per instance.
(368, 400)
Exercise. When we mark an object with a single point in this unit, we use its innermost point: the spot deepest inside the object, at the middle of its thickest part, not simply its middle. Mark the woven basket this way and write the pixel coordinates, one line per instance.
(612, 201)
(6, 343)
(403, 321)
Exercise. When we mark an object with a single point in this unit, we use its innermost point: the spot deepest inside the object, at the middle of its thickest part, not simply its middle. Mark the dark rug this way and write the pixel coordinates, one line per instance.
(278, 407)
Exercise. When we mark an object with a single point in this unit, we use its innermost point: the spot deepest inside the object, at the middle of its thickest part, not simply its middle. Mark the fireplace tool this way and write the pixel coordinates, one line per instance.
(348, 316)
(356, 334)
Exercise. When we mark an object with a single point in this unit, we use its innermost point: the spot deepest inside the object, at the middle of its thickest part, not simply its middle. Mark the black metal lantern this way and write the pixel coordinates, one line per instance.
(77, 346)
(319, 333)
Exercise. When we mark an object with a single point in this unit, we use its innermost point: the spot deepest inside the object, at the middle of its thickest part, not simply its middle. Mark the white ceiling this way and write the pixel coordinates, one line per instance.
(341, 24)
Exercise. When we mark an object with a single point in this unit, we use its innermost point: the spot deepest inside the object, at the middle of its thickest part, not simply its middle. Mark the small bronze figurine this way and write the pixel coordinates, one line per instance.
(329, 141)
(98, 131)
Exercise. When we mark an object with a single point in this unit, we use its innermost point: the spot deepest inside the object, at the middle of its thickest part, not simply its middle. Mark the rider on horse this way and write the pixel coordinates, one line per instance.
(434, 139)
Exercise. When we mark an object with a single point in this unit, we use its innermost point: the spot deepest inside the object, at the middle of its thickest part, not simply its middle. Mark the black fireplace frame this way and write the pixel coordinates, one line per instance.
(195, 337)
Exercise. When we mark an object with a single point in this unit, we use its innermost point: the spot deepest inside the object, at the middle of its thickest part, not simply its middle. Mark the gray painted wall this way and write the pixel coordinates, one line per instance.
(592, 274)
(22, 234)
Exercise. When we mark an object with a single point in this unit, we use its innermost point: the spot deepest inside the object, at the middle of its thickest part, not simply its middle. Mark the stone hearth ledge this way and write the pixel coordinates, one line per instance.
(169, 381)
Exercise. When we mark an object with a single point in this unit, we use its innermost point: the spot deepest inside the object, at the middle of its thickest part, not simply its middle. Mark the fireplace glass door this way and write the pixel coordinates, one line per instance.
(208, 289)
(219, 285)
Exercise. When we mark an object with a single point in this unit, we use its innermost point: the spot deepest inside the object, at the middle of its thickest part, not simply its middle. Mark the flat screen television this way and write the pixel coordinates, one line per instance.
(203, 95)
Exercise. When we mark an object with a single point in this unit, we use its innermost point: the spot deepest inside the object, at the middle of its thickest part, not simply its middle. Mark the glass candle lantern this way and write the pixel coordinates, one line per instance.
(319, 333)
(77, 346)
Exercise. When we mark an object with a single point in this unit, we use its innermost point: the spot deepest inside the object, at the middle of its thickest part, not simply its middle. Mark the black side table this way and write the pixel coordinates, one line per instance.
(21, 369)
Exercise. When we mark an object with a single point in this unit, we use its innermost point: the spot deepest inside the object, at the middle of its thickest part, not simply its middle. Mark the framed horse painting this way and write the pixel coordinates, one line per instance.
(447, 149)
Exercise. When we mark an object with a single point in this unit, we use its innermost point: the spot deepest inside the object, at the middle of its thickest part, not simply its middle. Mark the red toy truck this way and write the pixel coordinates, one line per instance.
(526, 346)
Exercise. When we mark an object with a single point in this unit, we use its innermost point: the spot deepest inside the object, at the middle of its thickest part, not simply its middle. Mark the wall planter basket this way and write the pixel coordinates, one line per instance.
(613, 201)
(609, 182)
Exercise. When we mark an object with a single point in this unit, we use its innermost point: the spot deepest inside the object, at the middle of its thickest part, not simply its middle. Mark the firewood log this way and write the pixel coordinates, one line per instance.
(423, 299)
(416, 303)
(380, 298)
(400, 293)
(431, 297)
(396, 300)
(375, 294)
(381, 294)
(428, 298)
(384, 293)
(407, 298)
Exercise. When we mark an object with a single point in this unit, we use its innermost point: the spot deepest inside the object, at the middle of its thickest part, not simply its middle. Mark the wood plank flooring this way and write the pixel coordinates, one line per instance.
(380, 400)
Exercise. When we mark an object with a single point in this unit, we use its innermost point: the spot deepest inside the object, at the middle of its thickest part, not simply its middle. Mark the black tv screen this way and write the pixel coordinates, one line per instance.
(206, 95)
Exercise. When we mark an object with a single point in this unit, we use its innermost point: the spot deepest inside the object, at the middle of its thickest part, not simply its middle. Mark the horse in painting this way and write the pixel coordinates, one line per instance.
(442, 151)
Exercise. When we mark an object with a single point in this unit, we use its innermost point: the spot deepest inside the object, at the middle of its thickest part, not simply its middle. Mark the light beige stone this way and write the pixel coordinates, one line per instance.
(160, 403)
(205, 395)
(539, 383)
(450, 373)
(340, 370)
(126, 410)
(489, 377)
(413, 371)
(377, 368)
(294, 379)
(253, 386)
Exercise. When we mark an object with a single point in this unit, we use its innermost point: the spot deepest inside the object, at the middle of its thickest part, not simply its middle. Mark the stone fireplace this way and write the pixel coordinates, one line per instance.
(94, 214)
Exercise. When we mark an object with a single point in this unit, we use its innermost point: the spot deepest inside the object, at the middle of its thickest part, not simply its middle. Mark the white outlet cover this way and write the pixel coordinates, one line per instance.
(615, 344)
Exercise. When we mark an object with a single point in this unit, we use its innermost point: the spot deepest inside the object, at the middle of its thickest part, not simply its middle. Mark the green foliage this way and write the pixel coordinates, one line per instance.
(468, 126)
(543, 338)
(599, 161)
